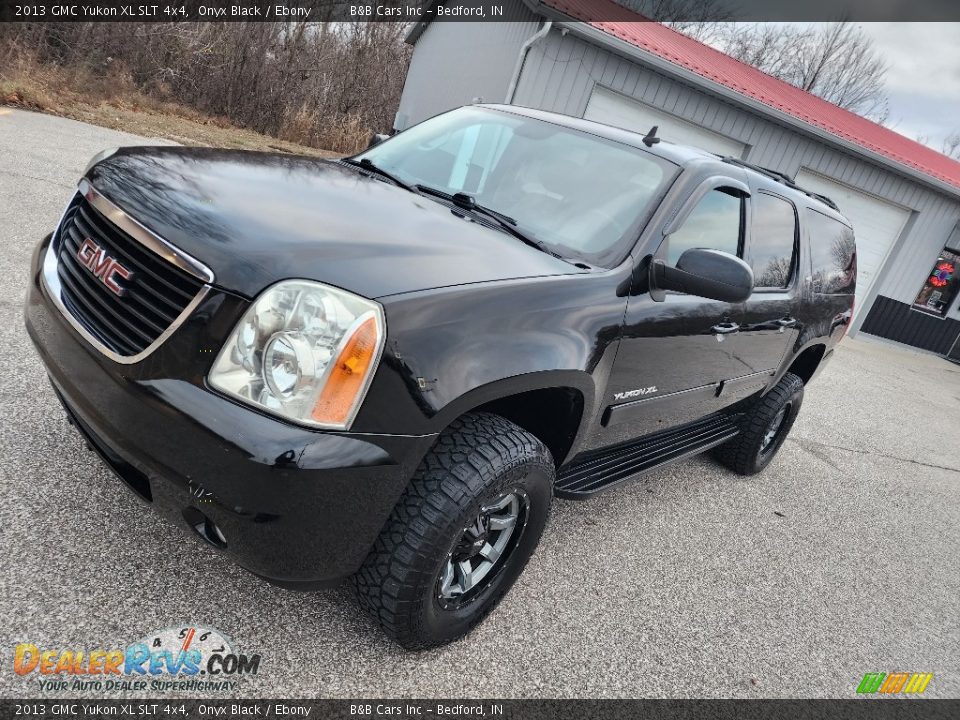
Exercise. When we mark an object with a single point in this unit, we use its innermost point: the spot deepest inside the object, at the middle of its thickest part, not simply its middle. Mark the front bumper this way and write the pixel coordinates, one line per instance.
(296, 506)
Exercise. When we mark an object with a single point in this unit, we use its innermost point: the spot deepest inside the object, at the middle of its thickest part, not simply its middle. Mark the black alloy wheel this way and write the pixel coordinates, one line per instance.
(461, 533)
(483, 549)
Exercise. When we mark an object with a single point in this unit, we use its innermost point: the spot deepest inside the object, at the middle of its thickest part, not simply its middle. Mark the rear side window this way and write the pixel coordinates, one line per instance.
(773, 241)
(713, 224)
(832, 251)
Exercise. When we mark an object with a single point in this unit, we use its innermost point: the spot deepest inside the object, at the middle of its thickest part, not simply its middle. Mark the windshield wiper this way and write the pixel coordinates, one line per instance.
(507, 223)
(368, 165)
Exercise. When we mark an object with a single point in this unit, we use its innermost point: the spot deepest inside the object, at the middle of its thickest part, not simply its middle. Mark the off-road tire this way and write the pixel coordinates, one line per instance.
(745, 454)
(476, 460)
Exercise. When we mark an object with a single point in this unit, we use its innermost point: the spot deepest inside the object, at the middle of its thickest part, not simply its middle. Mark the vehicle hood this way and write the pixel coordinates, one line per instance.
(257, 218)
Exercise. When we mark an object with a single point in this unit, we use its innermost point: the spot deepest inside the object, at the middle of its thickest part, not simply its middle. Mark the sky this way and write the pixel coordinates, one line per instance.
(923, 81)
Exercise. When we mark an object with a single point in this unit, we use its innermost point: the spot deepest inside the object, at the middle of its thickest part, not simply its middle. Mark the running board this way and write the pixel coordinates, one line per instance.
(599, 471)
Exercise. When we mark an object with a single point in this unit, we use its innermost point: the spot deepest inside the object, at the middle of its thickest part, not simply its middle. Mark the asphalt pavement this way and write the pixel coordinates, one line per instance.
(840, 559)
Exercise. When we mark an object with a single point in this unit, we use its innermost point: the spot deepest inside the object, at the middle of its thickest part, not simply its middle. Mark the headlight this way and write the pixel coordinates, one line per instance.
(303, 351)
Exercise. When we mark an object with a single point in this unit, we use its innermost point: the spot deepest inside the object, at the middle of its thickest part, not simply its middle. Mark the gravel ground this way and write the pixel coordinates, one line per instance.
(840, 559)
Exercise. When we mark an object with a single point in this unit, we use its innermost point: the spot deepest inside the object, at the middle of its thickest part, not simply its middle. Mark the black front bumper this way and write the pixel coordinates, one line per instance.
(295, 506)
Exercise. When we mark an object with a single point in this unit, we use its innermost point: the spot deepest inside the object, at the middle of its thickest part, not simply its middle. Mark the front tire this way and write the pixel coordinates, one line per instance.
(764, 428)
(461, 533)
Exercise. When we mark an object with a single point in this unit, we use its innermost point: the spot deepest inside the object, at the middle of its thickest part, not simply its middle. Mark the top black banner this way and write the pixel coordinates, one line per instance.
(413, 11)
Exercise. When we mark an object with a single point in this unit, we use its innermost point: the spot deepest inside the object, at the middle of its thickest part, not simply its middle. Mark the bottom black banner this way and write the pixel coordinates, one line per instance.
(860, 709)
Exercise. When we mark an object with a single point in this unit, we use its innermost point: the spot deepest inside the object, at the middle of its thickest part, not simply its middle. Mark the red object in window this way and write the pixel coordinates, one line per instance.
(942, 274)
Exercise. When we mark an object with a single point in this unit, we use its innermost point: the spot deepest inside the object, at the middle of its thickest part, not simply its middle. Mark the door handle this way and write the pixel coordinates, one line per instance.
(725, 328)
(787, 322)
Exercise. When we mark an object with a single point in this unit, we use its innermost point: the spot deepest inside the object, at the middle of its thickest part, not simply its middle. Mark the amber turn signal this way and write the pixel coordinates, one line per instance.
(348, 375)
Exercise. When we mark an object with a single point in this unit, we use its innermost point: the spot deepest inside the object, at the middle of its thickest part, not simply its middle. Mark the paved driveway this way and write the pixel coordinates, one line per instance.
(840, 559)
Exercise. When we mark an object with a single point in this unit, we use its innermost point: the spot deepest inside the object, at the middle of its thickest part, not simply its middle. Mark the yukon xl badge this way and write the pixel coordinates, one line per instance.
(95, 259)
(626, 395)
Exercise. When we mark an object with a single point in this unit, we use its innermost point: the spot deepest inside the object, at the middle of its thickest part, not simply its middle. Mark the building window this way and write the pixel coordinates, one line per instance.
(941, 285)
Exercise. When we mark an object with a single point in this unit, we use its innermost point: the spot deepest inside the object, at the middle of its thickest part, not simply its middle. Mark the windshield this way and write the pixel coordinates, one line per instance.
(581, 195)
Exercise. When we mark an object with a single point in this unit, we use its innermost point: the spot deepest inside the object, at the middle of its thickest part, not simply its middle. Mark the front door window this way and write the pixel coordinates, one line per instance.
(713, 224)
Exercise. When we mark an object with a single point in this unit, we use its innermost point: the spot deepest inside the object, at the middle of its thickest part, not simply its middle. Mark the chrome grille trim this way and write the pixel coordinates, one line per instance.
(143, 236)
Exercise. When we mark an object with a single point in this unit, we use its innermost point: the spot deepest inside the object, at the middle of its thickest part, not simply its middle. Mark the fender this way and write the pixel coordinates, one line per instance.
(450, 351)
(825, 333)
(578, 380)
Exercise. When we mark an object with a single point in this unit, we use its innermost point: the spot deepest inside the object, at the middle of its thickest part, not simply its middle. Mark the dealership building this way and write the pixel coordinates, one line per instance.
(902, 197)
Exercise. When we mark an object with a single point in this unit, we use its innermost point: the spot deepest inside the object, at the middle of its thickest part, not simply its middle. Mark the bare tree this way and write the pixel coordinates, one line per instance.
(702, 20)
(951, 145)
(328, 84)
(835, 61)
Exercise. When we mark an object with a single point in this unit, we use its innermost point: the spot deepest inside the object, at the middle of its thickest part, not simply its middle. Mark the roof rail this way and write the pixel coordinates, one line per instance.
(781, 178)
(824, 199)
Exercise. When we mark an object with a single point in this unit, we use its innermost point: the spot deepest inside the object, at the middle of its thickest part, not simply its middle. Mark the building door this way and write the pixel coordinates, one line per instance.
(876, 224)
(611, 108)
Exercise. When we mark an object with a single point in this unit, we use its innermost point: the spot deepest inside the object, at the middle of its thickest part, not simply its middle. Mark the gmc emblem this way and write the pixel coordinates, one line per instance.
(104, 268)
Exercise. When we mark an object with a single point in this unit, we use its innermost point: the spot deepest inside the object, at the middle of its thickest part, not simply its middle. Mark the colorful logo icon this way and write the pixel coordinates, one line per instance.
(894, 683)
(942, 274)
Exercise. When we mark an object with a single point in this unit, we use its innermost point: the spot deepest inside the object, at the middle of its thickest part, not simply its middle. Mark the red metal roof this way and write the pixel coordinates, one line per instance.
(753, 83)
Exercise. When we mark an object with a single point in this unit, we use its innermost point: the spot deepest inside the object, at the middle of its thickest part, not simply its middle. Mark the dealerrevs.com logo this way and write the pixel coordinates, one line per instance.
(173, 659)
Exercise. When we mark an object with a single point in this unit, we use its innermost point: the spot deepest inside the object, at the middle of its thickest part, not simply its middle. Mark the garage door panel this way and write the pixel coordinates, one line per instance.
(611, 108)
(876, 224)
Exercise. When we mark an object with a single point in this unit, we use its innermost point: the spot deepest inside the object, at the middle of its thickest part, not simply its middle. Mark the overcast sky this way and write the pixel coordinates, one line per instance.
(924, 77)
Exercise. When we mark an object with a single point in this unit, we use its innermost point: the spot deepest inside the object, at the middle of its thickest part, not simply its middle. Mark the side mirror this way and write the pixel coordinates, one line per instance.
(705, 273)
(376, 139)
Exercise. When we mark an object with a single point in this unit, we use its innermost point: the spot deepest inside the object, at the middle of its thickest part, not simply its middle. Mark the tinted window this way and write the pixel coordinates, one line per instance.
(714, 223)
(833, 252)
(941, 285)
(772, 241)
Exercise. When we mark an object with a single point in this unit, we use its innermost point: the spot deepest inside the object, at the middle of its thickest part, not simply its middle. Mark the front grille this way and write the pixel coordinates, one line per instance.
(153, 297)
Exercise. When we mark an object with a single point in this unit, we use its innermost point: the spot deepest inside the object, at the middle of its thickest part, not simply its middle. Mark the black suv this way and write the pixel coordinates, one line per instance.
(386, 366)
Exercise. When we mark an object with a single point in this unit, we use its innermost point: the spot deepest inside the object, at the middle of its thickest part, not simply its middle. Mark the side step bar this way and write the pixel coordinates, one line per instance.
(602, 470)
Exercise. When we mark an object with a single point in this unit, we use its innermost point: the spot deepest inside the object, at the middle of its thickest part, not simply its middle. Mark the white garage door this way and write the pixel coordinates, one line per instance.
(615, 109)
(876, 223)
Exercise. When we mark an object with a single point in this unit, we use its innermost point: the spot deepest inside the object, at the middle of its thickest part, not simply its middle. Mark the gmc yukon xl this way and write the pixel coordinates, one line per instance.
(385, 367)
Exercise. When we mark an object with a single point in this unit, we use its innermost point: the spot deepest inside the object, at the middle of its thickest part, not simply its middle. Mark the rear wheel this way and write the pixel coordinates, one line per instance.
(764, 428)
(461, 533)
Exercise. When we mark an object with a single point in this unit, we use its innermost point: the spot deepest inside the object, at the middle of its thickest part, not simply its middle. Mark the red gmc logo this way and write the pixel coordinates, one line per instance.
(105, 268)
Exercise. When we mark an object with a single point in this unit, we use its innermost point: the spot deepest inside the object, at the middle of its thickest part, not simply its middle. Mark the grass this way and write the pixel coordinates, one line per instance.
(115, 104)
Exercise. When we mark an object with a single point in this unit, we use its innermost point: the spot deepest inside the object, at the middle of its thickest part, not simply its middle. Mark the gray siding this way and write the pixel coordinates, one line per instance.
(561, 71)
(899, 322)
(454, 63)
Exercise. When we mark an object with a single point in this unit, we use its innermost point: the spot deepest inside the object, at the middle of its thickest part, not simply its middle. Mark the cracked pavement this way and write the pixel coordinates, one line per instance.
(840, 559)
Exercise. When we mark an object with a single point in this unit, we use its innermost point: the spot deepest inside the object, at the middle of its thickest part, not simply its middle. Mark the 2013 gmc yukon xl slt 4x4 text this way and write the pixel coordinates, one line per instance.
(384, 367)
